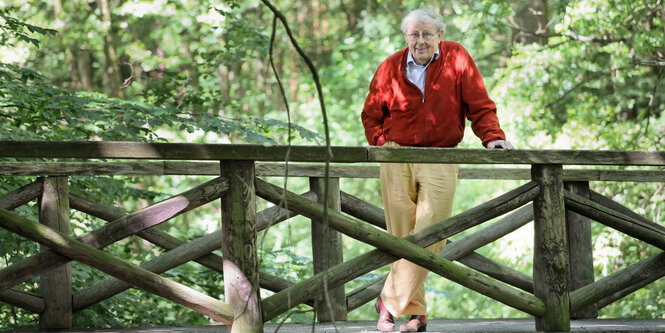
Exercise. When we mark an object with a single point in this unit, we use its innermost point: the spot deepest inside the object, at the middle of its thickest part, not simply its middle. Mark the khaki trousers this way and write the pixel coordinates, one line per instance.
(415, 196)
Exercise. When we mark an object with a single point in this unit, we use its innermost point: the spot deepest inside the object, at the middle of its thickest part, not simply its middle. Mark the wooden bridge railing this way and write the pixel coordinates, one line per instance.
(558, 201)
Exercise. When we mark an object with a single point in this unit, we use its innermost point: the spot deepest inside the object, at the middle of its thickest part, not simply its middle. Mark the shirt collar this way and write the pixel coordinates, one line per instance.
(410, 61)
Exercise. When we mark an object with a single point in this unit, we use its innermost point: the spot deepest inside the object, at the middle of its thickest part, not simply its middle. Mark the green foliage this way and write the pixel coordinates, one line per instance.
(34, 110)
(12, 30)
(591, 74)
(198, 71)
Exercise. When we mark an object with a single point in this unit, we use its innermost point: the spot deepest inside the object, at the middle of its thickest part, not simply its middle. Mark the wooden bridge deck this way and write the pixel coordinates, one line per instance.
(435, 325)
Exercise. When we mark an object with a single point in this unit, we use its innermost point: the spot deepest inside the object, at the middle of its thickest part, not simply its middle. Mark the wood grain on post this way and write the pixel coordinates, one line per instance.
(56, 285)
(241, 266)
(551, 265)
(579, 243)
(327, 251)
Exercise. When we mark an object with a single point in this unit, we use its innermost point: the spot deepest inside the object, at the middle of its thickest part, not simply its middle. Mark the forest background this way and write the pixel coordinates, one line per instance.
(578, 74)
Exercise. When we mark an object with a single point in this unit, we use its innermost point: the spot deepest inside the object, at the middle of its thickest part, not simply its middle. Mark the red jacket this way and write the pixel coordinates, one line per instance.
(396, 110)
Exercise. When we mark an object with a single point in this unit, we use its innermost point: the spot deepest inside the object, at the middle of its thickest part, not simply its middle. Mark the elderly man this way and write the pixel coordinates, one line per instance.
(420, 97)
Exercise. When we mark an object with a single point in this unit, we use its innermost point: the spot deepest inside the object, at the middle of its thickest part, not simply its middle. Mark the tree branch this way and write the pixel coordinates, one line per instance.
(319, 91)
(586, 79)
(650, 106)
(650, 63)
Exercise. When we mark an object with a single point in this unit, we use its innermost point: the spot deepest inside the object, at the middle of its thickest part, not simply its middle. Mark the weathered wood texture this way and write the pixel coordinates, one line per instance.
(645, 279)
(271, 169)
(598, 208)
(551, 265)
(241, 265)
(581, 249)
(365, 293)
(458, 325)
(22, 299)
(118, 229)
(113, 266)
(648, 269)
(462, 250)
(16, 198)
(394, 248)
(265, 219)
(160, 264)
(611, 204)
(505, 225)
(21, 196)
(187, 151)
(649, 232)
(363, 210)
(327, 249)
(56, 285)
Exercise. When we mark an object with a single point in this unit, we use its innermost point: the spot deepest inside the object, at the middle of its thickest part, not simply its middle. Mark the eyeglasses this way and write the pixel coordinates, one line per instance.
(415, 36)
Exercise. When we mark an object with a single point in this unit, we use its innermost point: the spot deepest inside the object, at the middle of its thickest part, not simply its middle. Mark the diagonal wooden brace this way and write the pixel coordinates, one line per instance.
(400, 248)
(117, 230)
(117, 268)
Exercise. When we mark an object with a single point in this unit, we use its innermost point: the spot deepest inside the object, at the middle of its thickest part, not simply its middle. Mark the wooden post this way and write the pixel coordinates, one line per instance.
(551, 265)
(327, 251)
(241, 268)
(56, 285)
(579, 243)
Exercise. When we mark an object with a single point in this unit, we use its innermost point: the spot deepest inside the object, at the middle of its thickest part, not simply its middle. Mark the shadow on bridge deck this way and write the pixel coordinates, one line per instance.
(435, 325)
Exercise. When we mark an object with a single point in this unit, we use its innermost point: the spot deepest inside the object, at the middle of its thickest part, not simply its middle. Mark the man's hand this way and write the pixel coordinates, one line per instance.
(500, 144)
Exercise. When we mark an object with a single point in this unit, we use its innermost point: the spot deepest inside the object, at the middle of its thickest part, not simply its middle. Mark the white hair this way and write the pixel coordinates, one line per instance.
(419, 15)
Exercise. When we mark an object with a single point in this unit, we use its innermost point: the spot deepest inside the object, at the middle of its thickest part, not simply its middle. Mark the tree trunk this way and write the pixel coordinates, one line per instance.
(531, 21)
(111, 76)
(79, 60)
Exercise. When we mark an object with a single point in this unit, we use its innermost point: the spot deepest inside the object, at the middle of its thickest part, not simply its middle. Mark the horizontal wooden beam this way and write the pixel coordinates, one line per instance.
(276, 169)
(280, 153)
(118, 268)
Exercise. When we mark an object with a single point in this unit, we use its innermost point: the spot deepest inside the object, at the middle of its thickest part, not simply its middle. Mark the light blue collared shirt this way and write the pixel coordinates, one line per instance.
(416, 73)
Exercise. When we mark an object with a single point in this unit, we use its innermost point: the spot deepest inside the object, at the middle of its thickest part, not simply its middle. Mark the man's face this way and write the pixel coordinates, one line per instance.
(423, 40)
